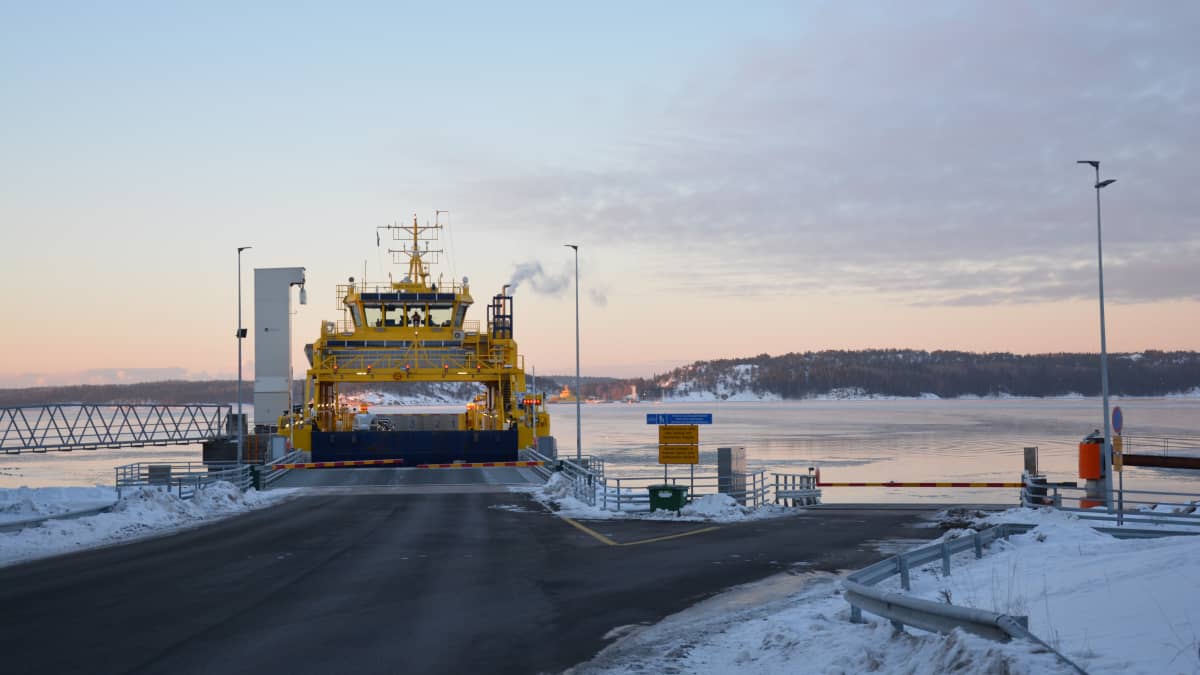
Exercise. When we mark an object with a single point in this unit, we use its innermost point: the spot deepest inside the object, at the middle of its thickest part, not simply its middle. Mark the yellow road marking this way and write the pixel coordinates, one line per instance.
(671, 536)
(605, 540)
(587, 530)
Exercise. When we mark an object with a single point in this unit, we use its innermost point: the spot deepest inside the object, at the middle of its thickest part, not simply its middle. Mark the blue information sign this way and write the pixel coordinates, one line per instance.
(679, 418)
(1118, 419)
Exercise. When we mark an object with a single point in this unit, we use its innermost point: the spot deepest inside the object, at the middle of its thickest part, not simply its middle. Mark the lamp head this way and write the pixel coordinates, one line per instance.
(243, 248)
(574, 246)
(1105, 183)
(1095, 164)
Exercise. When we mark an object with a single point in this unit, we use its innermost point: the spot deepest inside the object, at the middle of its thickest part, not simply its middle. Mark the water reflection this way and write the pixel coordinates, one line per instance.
(908, 440)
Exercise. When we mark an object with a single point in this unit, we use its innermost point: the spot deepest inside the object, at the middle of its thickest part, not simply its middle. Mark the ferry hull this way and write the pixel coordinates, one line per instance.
(416, 447)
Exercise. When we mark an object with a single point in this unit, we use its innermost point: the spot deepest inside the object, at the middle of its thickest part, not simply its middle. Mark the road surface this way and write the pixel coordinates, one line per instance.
(395, 577)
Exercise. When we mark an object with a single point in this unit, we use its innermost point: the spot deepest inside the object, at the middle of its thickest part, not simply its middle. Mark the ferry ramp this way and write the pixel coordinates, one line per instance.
(410, 478)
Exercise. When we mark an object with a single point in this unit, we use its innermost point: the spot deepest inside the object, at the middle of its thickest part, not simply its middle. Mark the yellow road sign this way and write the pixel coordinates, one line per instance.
(678, 434)
(679, 454)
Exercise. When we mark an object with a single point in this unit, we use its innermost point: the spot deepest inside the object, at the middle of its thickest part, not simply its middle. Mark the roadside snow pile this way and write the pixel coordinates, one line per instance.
(25, 503)
(801, 624)
(1110, 605)
(140, 512)
(558, 495)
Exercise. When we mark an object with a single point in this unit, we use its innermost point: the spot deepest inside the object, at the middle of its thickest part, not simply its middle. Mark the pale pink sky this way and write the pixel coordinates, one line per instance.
(784, 179)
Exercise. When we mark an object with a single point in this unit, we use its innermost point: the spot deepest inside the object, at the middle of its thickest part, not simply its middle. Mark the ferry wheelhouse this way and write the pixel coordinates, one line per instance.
(416, 330)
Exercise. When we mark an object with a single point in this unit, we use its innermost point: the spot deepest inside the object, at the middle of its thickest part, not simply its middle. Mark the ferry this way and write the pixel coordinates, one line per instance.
(416, 330)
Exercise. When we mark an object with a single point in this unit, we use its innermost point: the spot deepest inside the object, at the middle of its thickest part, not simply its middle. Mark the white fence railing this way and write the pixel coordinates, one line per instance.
(591, 486)
(182, 478)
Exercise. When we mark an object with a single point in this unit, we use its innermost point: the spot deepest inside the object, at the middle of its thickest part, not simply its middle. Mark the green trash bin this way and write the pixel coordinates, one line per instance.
(667, 497)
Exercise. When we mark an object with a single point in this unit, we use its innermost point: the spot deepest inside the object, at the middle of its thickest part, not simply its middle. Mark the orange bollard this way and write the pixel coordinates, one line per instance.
(1091, 469)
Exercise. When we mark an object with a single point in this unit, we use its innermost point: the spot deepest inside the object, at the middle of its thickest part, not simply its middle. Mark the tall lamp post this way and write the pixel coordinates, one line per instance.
(1108, 463)
(241, 335)
(578, 393)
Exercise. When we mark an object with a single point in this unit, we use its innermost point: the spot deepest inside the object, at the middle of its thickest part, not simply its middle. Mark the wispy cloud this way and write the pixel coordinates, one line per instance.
(924, 151)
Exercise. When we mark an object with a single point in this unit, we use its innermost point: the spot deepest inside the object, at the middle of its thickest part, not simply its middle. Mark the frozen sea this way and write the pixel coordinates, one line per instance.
(903, 440)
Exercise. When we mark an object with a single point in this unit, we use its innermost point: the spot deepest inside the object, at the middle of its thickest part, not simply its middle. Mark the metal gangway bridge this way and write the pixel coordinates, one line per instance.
(79, 426)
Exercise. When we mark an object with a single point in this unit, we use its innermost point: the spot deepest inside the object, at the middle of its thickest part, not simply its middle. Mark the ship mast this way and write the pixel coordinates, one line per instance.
(419, 257)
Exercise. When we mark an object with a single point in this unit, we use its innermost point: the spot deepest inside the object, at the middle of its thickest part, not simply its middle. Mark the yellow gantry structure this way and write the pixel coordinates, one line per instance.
(416, 330)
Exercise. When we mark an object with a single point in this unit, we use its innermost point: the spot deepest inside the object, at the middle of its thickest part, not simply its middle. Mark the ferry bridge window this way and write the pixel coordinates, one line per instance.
(416, 317)
(374, 315)
(439, 316)
(393, 316)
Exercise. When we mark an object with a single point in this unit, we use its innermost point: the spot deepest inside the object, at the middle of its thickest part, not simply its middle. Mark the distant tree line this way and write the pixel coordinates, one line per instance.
(904, 372)
(884, 372)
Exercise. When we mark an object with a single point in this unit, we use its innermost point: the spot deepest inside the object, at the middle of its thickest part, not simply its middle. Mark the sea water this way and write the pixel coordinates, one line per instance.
(905, 440)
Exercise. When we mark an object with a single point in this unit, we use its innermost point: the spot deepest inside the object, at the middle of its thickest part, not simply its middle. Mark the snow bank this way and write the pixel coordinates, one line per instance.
(558, 494)
(801, 624)
(141, 512)
(29, 503)
(1110, 605)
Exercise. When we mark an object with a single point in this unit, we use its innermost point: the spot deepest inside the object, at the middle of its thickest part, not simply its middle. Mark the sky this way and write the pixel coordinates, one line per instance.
(740, 179)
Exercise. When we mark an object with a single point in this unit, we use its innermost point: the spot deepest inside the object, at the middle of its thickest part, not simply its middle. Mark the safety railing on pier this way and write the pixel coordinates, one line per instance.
(182, 478)
(1153, 507)
(591, 486)
(903, 610)
(631, 493)
(267, 473)
(76, 426)
(796, 489)
(1164, 445)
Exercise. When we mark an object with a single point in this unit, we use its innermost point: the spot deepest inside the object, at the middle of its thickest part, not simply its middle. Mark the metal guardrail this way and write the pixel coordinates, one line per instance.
(73, 426)
(182, 478)
(903, 610)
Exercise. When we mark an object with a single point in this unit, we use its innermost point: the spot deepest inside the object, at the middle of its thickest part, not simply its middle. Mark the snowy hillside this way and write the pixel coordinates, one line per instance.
(698, 384)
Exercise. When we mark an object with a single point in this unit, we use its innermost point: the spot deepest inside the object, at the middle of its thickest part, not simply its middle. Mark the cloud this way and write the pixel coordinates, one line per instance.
(923, 151)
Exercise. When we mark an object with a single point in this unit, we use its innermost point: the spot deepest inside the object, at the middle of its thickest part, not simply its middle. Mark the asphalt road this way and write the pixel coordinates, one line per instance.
(393, 579)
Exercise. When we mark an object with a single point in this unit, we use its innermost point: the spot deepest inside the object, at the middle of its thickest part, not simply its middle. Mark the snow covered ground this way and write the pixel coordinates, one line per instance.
(139, 513)
(556, 494)
(23, 504)
(1112, 606)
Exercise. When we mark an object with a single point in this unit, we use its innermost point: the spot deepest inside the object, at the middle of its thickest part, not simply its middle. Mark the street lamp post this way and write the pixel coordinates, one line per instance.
(578, 393)
(241, 335)
(1108, 463)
